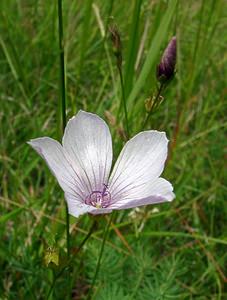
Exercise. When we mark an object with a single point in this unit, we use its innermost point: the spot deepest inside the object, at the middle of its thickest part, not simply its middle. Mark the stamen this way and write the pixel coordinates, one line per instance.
(99, 199)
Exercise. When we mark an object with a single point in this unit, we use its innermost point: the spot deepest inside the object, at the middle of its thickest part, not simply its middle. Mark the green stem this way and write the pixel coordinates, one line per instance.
(63, 100)
(67, 230)
(109, 13)
(156, 100)
(106, 230)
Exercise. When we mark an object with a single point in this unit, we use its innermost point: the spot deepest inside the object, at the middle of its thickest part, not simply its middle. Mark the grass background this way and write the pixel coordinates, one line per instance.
(169, 251)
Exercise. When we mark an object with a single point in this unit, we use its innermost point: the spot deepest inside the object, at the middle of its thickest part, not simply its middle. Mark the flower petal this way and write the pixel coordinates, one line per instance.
(53, 153)
(100, 211)
(75, 207)
(160, 191)
(140, 162)
(87, 142)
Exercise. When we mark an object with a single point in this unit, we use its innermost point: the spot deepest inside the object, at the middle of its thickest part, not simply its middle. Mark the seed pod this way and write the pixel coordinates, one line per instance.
(166, 68)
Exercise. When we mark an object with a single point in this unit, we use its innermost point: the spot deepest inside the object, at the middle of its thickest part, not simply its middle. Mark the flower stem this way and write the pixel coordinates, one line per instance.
(105, 234)
(62, 102)
(156, 100)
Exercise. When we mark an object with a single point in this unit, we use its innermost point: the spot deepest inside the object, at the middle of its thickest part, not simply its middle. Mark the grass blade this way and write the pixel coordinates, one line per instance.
(10, 215)
(153, 51)
(132, 48)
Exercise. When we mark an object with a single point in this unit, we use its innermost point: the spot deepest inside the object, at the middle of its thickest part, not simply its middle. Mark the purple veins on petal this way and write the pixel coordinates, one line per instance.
(99, 199)
(82, 165)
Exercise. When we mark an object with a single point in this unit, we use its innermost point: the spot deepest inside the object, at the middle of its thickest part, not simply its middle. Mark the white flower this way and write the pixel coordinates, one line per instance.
(82, 167)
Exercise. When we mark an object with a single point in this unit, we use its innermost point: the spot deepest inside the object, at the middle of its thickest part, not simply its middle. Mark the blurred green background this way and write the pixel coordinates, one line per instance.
(169, 251)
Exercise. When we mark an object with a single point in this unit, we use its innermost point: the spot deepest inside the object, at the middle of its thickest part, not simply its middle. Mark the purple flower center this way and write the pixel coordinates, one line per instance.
(99, 199)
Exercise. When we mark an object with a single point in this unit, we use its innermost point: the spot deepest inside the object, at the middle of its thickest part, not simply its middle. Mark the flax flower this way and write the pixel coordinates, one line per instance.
(83, 162)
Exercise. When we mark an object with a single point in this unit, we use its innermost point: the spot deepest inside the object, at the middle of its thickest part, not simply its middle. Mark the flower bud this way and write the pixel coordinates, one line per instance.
(116, 40)
(166, 68)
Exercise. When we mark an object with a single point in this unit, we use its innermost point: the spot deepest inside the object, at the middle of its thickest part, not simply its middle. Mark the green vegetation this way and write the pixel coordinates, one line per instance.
(169, 251)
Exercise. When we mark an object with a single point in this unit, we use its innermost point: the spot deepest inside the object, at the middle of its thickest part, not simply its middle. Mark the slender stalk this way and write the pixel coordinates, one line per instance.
(109, 13)
(106, 230)
(156, 100)
(62, 100)
(117, 50)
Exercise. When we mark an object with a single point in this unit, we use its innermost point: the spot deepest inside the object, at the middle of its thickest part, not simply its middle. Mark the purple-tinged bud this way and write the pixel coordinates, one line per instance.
(166, 68)
(116, 40)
